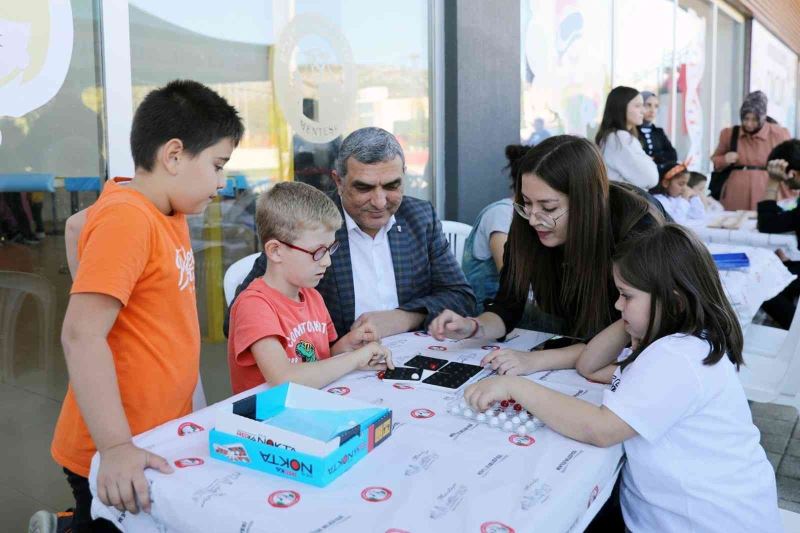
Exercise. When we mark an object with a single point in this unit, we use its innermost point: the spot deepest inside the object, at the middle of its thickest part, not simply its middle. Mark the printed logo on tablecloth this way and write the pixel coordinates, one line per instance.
(593, 496)
(564, 464)
(521, 440)
(422, 413)
(189, 427)
(402, 386)
(341, 391)
(189, 461)
(496, 527)
(376, 494)
(437, 348)
(395, 530)
(490, 347)
(283, 499)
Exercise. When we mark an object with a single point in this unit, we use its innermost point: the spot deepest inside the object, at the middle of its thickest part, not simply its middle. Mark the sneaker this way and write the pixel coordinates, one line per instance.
(47, 522)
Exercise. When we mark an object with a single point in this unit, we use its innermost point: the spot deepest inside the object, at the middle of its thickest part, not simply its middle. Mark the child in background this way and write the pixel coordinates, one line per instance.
(694, 462)
(679, 200)
(280, 320)
(698, 183)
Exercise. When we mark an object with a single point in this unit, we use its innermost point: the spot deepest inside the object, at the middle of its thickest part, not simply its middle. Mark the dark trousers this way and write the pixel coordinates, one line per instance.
(82, 519)
(781, 308)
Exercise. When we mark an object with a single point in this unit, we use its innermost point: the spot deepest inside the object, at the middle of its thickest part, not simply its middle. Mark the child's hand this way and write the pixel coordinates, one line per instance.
(373, 356)
(121, 481)
(481, 395)
(508, 362)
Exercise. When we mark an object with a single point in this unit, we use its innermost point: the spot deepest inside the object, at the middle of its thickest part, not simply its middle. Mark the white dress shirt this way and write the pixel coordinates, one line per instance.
(374, 285)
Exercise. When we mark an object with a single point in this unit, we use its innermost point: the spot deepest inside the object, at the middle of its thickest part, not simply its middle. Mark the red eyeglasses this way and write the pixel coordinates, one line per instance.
(317, 254)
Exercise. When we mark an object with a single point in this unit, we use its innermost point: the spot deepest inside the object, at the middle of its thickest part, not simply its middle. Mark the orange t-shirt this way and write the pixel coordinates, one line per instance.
(304, 328)
(131, 251)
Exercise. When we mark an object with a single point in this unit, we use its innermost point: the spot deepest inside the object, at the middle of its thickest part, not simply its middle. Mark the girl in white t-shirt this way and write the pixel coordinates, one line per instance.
(679, 200)
(694, 462)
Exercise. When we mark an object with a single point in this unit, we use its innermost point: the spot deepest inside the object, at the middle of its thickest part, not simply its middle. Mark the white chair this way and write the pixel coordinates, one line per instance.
(235, 275)
(772, 362)
(456, 234)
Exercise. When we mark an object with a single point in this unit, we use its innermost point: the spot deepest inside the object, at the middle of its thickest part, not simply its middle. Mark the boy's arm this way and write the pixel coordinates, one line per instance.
(602, 351)
(271, 359)
(88, 320)
(571, 417)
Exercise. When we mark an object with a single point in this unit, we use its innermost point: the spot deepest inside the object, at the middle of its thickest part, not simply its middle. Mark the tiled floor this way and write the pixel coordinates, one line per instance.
(30, 401)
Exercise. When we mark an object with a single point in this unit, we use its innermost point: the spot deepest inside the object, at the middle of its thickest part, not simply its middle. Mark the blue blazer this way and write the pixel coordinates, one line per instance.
(428, 277)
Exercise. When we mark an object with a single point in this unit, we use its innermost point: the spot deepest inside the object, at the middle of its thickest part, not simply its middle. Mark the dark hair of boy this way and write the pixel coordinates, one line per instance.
(696, 177)
(185, 110)
(615, 114)
(514, 152)
(572, 280)
(677, 270)
(789, 151)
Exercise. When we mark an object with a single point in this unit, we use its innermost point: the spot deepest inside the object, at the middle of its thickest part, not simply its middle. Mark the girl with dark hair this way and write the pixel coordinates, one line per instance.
(679, 200)
(483, 249)
(694, 462)
(568, 222)
(618, 139)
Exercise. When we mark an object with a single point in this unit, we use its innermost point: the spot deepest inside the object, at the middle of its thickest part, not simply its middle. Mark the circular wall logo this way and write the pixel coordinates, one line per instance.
(422, 413)
(524, 440)
(189, 427)
(283, 498)
(341, 391)
(189, 461)
(315, 77)
(376, 494)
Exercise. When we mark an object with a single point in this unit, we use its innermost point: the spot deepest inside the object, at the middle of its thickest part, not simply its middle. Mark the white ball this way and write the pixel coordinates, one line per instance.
(494, 422)
(523, 416)
(515, 420)
(462, 404)
(507, 425)
(481, 417)
(521, 431)
(456, 410)
(468, 413)
(529, 424)
(502, 417)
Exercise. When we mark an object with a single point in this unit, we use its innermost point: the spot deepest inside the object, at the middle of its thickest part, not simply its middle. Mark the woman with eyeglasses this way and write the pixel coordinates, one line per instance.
(568, 221)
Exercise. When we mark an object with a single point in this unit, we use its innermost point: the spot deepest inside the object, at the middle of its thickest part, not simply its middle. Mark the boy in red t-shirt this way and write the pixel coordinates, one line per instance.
(131, 334)
(280, 320)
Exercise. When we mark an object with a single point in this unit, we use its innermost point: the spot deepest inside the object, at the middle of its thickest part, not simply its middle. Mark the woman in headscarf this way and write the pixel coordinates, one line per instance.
(757, 137)
(654, 140)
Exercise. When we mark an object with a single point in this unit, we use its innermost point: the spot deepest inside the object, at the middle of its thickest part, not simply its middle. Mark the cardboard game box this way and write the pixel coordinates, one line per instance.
(298, 433)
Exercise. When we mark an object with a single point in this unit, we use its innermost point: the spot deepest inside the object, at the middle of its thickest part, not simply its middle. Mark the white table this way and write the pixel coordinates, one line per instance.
(442, 473)
(747, 235)
(748, 288)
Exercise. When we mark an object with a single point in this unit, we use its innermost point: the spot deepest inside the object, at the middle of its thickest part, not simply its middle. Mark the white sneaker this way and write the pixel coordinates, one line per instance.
(43, 522)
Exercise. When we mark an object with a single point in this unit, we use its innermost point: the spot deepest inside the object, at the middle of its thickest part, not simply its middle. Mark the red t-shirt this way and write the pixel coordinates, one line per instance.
(304, 328)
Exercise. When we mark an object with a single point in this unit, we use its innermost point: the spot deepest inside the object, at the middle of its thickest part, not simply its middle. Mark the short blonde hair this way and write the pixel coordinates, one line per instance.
(291, 207)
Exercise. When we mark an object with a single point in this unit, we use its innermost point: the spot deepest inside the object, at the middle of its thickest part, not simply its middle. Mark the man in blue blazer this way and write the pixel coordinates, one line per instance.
(394, 268)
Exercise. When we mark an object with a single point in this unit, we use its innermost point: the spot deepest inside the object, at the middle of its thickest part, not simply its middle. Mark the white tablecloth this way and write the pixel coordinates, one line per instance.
(748, 288)
(441, 473)
(747, 235)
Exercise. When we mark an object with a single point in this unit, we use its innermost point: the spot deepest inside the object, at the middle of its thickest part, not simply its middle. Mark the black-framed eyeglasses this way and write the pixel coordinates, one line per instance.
(317, 254)
(543, 219)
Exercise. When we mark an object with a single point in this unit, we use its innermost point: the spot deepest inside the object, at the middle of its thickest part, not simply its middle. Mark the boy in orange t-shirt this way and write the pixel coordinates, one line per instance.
(131, 335)
(280, 320)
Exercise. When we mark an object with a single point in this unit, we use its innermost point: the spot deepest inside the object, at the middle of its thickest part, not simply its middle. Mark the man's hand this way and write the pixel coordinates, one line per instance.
(358, 336)
(508, 362)
(388, 323)
(121, 481)
(777, 170)
(731, 158)
(451, 325)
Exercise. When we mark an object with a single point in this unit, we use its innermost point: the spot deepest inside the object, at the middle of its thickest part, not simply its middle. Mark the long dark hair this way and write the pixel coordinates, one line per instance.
(616, 112)
(672, 265)
(514, 154)
(574, 278)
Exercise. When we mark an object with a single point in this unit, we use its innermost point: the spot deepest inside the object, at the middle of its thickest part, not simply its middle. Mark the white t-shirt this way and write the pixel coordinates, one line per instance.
(497, 218)
(696, 463)
(682, 210)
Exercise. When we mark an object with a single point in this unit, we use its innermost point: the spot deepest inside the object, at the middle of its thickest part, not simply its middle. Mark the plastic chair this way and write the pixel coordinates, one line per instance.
(235, 275)
(772, 361)
(14, 287)
(456, 234)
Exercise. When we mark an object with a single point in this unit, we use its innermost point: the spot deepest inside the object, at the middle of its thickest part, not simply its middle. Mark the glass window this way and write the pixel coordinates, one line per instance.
(303, 75)
(730, 74)
(694, 30)
(566, 67)
(775, 73)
